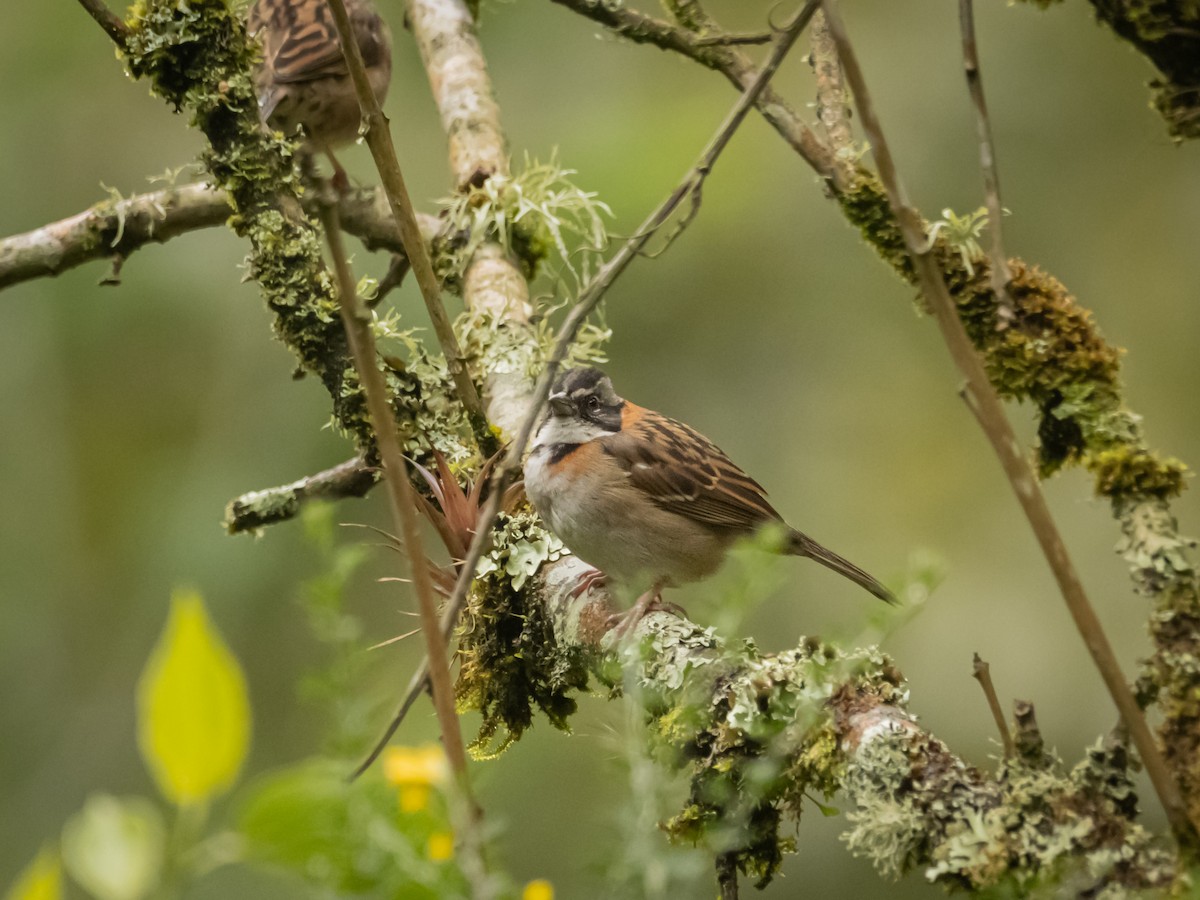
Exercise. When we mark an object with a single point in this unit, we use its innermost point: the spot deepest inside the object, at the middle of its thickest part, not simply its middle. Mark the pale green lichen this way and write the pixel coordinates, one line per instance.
(534, 214)
(509, 661)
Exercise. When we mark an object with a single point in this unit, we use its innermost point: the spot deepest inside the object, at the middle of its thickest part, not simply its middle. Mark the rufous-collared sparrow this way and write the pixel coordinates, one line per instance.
(647, 500)
(303, 79)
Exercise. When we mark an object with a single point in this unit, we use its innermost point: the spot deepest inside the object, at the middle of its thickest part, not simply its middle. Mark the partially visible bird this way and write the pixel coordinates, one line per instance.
(303, 79)
(647, 500)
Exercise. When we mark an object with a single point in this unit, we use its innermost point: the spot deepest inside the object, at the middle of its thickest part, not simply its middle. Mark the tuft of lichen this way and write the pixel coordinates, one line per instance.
(534, 215)
(509, 661)
(755, 736)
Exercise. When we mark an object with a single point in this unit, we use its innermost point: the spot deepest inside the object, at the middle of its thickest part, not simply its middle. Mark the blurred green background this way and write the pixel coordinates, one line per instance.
(132, 414)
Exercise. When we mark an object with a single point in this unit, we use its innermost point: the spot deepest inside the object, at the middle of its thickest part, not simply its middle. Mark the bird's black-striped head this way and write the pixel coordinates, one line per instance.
(586, 396)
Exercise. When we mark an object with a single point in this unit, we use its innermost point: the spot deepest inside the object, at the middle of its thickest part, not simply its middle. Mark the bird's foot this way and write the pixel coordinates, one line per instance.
(588, 580)
(651, 601)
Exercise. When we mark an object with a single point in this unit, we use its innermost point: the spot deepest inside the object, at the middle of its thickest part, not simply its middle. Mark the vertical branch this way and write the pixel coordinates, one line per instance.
(999, 272)
(982, 673)
(831, 101)
(379, 139)
(403, 502)
(985, 404)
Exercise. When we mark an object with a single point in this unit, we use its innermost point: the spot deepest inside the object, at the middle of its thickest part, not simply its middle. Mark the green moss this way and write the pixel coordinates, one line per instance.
(509, 660)
(1046, 351)
(1129, 472)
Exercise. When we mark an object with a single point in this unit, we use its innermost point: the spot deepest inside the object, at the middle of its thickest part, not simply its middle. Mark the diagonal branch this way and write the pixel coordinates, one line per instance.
(985, 403)
(987, 159)
(589, 299)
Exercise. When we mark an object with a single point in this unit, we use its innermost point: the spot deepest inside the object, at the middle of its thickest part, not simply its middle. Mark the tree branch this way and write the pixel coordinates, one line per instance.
(257, 509)
(379, 139)
(118, 228)
(985, 403)
(112, 24)
(987, 160)
(757, 734)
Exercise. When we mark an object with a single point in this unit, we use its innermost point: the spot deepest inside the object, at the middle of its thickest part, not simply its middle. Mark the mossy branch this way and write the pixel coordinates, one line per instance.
(116, 228)
(760, 735)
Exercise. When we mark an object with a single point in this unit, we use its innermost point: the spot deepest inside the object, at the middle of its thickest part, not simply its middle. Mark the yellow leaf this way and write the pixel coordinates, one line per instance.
(193, 711)
(41, 880)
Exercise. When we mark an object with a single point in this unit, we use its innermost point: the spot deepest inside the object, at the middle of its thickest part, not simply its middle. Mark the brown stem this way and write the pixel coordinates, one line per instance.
(379, 138)
(999, 272)
(985, 403)
(982, 673)
(112, 24)
(395, 470)
(589, 298)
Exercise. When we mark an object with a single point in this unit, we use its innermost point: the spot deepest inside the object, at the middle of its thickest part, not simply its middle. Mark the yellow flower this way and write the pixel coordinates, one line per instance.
(441, 846)
(413, 797)
(539, 889)
(415, 765)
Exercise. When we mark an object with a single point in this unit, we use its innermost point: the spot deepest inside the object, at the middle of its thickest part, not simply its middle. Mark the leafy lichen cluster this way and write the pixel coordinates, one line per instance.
(1033, 831)
(755, 736)
(533, 215)
(509, 661)
(1045, 350)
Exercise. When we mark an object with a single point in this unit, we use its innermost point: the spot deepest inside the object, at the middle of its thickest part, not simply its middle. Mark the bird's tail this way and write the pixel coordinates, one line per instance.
(802, 545)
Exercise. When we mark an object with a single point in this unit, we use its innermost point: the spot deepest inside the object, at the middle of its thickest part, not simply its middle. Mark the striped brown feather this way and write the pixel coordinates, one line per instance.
(685, 473)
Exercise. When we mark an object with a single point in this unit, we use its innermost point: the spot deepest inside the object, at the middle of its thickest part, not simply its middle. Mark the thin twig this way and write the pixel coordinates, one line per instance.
(249, 512)
(732, 40)
(400, 491)
(982, 673)
(985, 403)
(379, 138)
(112, 24)
(831, 100)
(589, 298)
(999, 273)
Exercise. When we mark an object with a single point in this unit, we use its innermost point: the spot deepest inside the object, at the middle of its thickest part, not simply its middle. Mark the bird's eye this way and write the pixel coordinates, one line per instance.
(593, 403)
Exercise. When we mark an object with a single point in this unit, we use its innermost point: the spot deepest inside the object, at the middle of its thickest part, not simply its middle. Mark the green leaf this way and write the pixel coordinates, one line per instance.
(41, 880)
(114, 847)
(346, 837)
(193, 710)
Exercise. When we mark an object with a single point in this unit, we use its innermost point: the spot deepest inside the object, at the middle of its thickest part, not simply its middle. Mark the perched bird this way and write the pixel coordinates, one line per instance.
(648, 501)
(303, 79)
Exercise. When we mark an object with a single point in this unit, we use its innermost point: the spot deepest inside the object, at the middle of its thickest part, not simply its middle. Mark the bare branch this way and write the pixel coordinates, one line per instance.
(987, 159)
(985, 403)
(982, 673)
(112, 24)
(731, 63)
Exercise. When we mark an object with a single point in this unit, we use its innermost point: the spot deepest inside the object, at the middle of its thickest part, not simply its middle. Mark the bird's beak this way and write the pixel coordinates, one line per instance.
(560, 404)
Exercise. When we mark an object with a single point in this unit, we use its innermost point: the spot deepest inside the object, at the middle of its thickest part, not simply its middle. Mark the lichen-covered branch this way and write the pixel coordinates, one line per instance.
(756, 734)
(1048, 352)
(493, 286)
(118, 227)
(257, 509)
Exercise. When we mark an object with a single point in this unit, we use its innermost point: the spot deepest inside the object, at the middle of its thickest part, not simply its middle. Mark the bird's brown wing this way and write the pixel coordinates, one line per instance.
(300, 41)
(685, 473)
